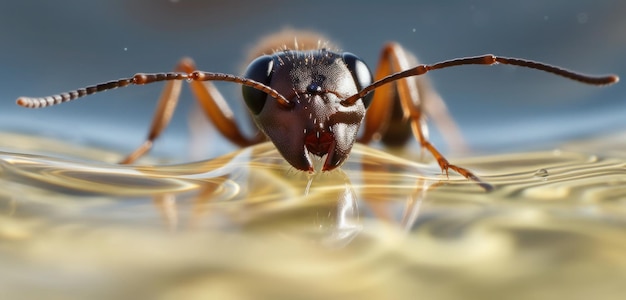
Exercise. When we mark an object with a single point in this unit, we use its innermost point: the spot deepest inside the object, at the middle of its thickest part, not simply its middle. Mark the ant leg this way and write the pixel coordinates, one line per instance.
(387, 117)
(415, 98)
(162, 116)
(216, 108)
(441, 160)
(212, 103)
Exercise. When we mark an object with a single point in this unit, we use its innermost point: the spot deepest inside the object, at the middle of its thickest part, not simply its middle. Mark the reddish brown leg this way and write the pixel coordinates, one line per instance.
(415, 96)
(380, 121)
(211, 102)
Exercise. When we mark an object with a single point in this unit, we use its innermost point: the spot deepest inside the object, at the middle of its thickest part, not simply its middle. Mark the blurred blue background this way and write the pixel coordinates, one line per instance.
(55, 46)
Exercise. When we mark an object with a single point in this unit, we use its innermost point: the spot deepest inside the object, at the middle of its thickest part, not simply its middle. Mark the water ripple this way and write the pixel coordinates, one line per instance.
(383, 227)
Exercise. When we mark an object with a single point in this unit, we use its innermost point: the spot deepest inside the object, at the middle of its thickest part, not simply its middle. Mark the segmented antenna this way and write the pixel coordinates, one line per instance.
(487, 59)
(69, 96)
(141, 79)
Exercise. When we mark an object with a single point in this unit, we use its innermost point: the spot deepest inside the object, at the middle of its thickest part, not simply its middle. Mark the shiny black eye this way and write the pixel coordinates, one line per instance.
(259, 70)
(361, 74)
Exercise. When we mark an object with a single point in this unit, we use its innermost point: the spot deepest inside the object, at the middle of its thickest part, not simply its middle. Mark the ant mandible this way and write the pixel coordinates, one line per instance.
(310, 99)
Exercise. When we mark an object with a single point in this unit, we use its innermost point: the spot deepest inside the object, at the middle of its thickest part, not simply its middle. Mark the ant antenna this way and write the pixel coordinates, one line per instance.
(487, 59)
(140, 79)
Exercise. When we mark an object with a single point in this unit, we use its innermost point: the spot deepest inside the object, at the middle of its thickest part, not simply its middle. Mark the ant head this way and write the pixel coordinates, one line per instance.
(314, 123)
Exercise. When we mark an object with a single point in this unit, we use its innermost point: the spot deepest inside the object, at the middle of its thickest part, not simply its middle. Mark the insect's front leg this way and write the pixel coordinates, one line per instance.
(415, 99)
(212, 103)
(387, 117)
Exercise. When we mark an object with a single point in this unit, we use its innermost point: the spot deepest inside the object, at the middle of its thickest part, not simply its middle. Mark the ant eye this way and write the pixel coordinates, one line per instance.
(259, 70)
(361, 74)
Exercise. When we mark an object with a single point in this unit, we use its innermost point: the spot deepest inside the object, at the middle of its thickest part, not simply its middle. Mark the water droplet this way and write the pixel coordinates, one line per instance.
(414, 29)
(125, 49)
(541, 173)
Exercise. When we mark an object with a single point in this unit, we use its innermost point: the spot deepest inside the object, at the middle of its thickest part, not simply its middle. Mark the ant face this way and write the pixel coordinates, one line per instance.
(315, 123)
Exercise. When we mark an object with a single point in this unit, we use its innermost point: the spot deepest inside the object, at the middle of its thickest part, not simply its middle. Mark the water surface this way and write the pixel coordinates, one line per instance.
(245, 226)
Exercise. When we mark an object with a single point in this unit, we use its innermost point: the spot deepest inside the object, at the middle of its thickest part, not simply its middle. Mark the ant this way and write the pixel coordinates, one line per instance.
(310, 100)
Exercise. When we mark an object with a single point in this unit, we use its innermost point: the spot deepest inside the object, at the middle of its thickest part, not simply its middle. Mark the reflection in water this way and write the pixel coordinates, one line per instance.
(246, 226)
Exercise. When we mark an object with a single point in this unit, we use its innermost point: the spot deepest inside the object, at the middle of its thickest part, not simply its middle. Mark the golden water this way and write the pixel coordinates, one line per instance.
(246, 226)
